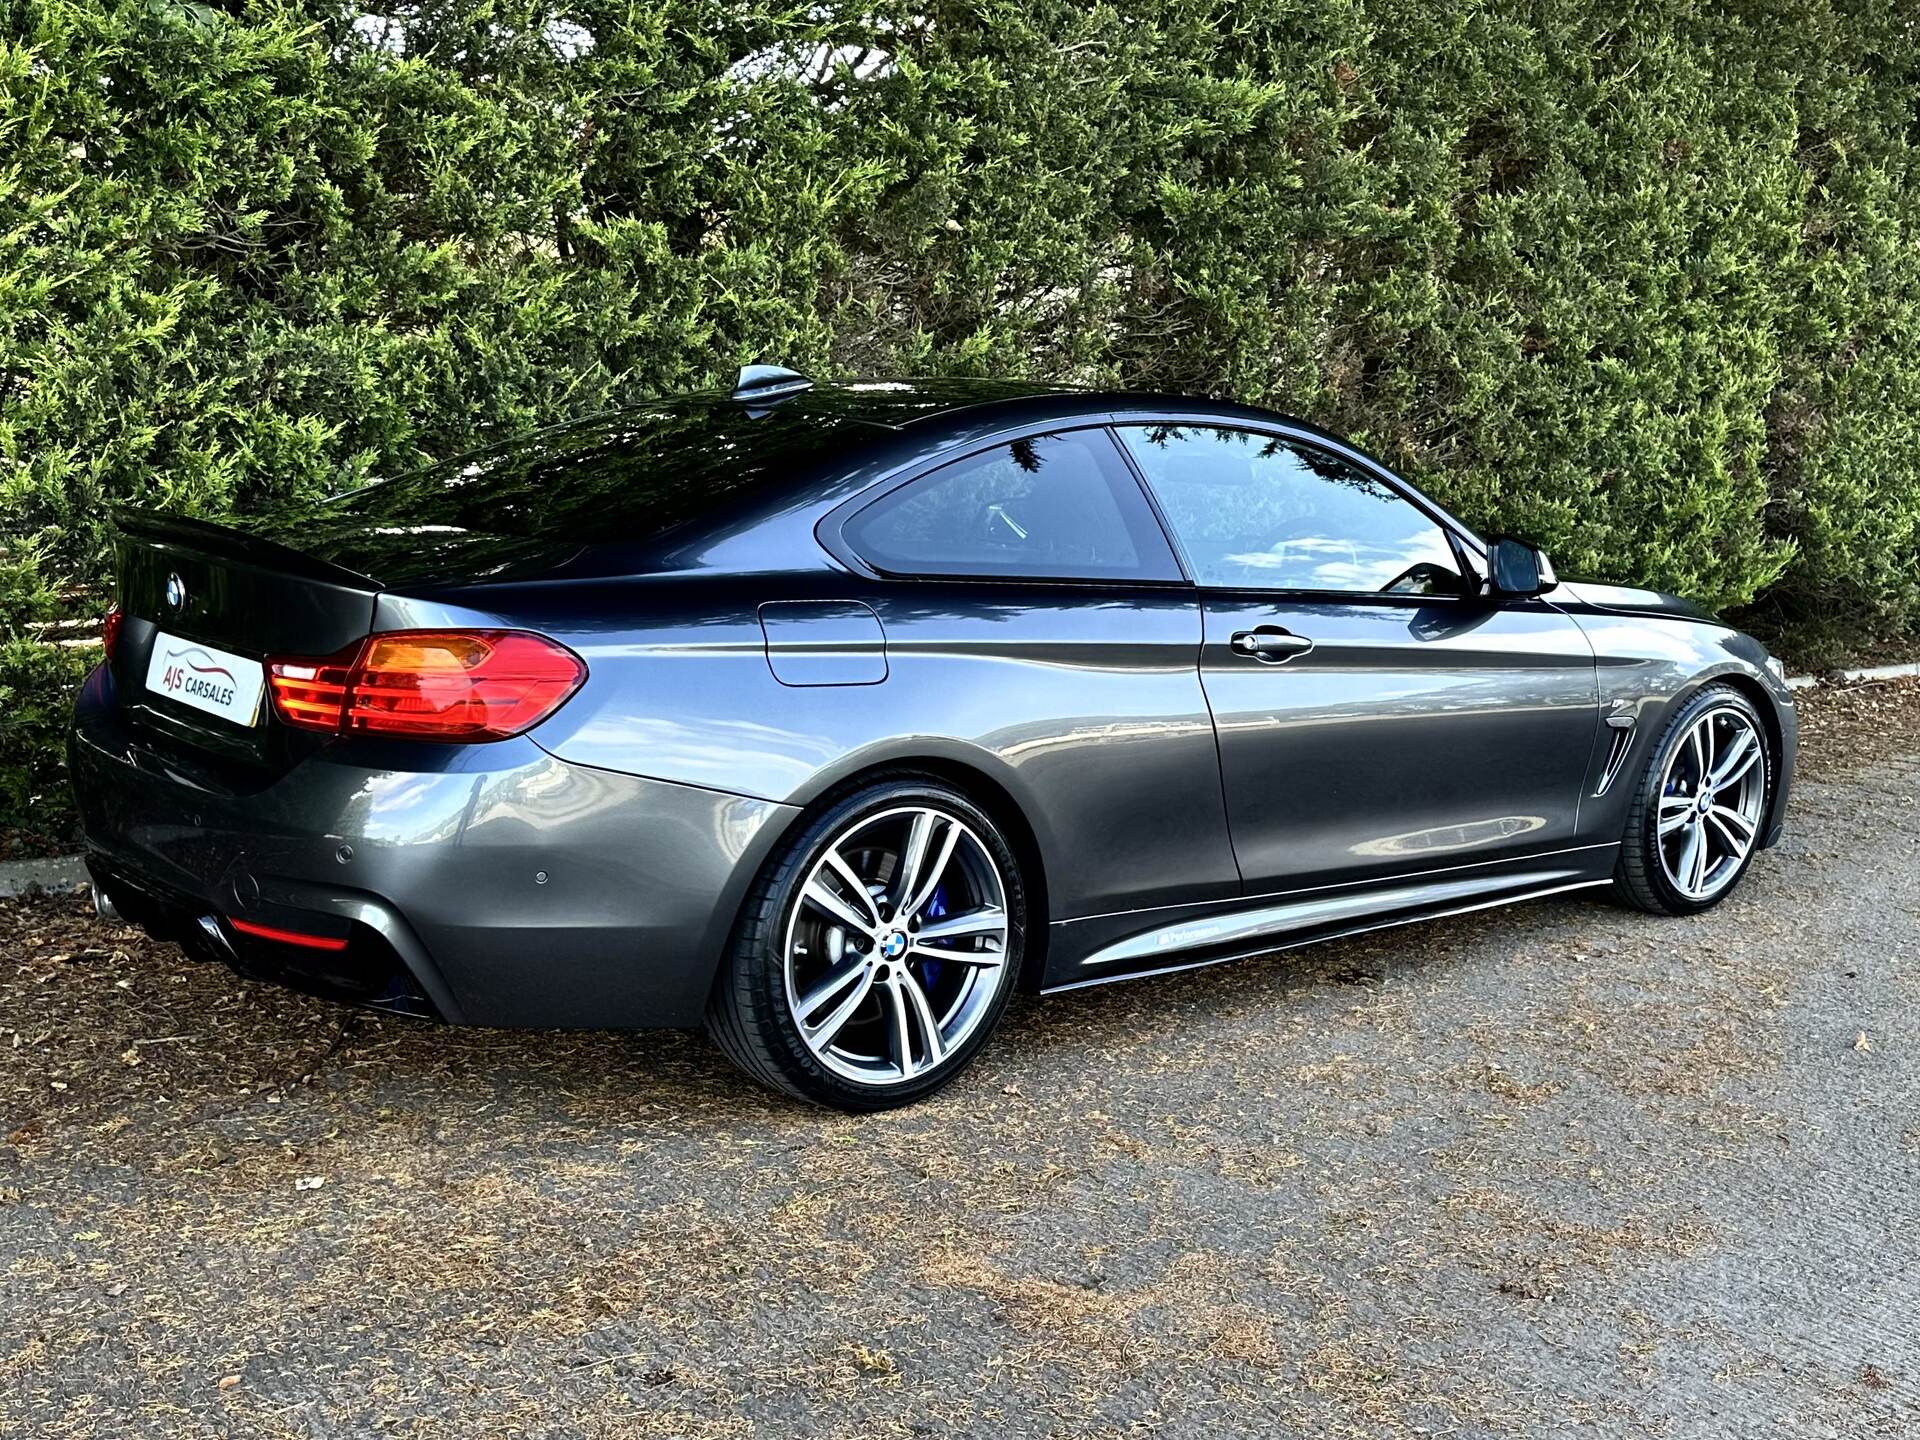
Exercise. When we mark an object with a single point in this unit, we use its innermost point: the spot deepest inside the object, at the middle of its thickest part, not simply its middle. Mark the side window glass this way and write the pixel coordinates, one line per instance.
(1052, 507)
(1258, 512)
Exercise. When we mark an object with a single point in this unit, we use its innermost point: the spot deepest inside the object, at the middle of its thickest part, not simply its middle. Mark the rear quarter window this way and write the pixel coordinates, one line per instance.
(1060, 506)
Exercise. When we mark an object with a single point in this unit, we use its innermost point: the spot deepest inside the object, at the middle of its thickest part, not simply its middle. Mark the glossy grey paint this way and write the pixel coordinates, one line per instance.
(742, 667)
(1080, 704)
(1648, 658)
(823, 642)
(448, 845)
(1415, 732)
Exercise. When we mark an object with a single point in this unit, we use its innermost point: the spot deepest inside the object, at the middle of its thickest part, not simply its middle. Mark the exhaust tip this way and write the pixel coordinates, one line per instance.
(211, 926)
(103, 905)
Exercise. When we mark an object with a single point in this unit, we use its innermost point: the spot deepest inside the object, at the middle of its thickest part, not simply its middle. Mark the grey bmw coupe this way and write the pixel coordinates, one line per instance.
(825, 715)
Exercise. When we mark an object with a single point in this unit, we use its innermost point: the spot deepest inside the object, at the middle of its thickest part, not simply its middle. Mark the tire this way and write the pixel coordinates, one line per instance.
(849, 957)
(1658, 871)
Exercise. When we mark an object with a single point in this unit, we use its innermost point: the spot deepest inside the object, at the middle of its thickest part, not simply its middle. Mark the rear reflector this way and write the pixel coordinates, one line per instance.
(288, 937)
(429, 685)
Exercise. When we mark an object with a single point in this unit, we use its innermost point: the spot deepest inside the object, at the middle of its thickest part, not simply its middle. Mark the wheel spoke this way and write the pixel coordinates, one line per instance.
(1680, 811)
(819, 1035)
(823, 897)
(902, 1029)
(1702, 860)
(1727, 812)
(991, 920)
(912, 857)
(1701, 741)
(979, 959)
(1734, 766)
(920, 1017)
(1690, 858)
(856, 885)
(929, 879)
(1736, 843)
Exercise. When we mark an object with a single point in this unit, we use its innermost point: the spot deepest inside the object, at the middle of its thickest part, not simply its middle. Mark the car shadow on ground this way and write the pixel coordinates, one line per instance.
(116, 1019)
(289, 1039)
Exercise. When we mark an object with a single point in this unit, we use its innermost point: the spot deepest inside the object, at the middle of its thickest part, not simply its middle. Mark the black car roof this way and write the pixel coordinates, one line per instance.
(642, 472)
(898, 404)
(960, 404)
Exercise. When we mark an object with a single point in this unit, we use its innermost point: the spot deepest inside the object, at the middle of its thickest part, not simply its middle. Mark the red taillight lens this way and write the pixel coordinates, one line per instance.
(312, 694)
(110, 628)
(460, 685)
(430, 685)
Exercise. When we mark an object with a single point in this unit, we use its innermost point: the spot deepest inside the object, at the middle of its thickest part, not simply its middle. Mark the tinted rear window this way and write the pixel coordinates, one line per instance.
(1047, 507)
(633, 475)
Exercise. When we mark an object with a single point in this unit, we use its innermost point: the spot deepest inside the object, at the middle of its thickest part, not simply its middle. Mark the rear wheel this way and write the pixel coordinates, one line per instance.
(878, 950)
(1702, 801)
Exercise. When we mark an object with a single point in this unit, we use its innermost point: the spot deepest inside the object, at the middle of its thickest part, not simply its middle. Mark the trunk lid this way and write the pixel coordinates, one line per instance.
(239, 595)
(242, 592)
(301, 586)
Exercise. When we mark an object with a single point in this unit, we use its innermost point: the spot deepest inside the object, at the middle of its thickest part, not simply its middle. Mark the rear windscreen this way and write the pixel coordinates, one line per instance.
(633, 475)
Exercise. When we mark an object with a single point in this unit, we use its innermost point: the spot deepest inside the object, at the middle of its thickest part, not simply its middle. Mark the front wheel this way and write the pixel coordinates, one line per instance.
(1700, 807)
(876, 953)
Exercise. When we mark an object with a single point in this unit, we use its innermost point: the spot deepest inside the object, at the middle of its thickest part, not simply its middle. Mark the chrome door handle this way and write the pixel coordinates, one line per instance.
(1271, 645)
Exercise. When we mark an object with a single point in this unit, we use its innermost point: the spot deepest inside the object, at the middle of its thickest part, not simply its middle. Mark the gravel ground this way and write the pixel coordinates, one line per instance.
(1555, 1169)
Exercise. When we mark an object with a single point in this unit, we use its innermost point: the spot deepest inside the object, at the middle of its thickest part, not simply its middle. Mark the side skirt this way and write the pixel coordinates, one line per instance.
(1261, 928)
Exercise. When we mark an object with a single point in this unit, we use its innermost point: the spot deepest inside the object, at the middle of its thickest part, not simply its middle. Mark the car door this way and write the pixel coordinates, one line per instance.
(1375, 716)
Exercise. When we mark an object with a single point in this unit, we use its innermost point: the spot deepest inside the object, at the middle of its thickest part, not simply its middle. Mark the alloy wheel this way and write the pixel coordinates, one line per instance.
(896, 948)
(1712, 795)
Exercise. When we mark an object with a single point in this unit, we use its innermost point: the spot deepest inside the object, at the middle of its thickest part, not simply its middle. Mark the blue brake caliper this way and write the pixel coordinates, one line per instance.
(936, 907)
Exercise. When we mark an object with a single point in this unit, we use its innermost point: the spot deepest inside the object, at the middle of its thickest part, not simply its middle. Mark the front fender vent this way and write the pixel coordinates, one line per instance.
(1620, 727)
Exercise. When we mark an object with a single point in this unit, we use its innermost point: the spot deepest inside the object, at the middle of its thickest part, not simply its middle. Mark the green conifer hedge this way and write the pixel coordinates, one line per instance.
(1638, 278)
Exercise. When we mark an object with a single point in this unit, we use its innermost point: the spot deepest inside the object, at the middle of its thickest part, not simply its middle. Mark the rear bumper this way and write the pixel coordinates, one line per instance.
(487, 884)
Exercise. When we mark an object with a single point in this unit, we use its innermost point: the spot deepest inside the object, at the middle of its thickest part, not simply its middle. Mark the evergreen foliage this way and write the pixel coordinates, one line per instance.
(1636, 278)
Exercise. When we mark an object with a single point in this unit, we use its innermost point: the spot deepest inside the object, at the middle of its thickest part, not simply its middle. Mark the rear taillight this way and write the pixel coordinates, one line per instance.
(110, 628)
(429, 685)
(460, 685)
(312, 694)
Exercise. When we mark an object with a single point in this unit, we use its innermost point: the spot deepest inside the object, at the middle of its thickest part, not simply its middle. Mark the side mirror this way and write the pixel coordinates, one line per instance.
(1519, 569)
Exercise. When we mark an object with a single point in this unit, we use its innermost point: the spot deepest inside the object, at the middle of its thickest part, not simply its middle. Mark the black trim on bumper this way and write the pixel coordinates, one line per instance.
(513, 888)
(371, 970)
